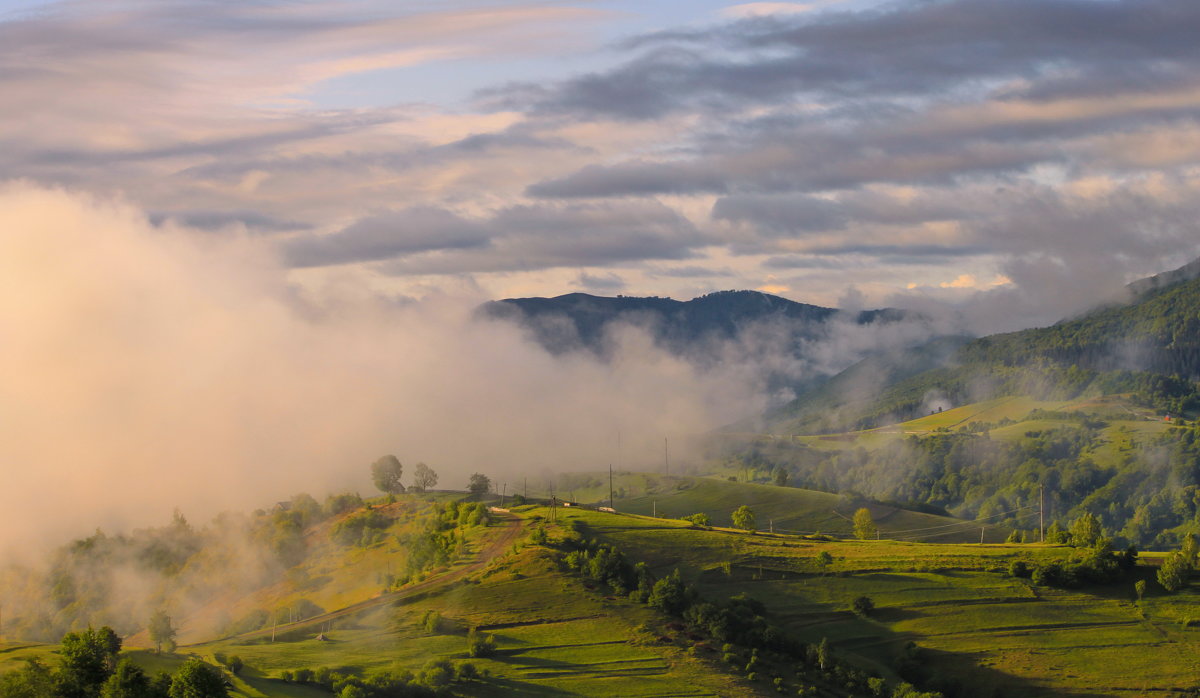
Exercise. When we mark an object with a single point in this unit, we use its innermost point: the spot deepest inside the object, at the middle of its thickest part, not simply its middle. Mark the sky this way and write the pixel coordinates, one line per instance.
(1011, 159)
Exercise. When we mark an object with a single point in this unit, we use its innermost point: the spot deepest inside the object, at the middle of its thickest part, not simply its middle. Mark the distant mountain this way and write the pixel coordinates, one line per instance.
(1149, 347)
(580, 320)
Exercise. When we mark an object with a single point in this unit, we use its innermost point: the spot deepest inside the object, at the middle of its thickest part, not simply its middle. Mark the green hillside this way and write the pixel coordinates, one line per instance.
(579, 602)
(1149, 348)
(978, 631)
(1005, 460)
(785, 509)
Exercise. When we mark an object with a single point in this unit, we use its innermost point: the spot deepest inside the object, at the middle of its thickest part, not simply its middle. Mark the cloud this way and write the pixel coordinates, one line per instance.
(163, 367)
(766, 9)
(546, 236)
(911, 49)
(902, 140)
(600, 283)
(388, 235)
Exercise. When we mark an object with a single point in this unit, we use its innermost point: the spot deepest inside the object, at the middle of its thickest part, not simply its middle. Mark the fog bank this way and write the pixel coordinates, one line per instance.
(145, 367)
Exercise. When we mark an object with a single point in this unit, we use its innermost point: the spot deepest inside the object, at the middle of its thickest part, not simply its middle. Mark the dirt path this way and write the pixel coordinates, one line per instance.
(504, 541)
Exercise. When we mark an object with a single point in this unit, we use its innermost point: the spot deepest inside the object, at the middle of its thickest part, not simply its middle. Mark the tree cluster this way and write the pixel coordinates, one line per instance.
(90, 666)
(433, 679)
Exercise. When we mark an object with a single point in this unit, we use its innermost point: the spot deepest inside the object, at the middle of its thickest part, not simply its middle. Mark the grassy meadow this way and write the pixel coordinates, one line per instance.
(975, 625)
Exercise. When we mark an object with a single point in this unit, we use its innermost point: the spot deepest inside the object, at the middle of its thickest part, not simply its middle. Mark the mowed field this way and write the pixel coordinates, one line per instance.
(786, 509)
(979, 629)
(553, 636)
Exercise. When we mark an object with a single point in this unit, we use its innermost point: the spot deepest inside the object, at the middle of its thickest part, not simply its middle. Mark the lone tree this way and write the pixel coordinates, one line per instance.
(743, 518)
(162, 633)
(480, 484)
(824, 560)
(862, 606)
(864, 525)
(386, 473)
(423, 477)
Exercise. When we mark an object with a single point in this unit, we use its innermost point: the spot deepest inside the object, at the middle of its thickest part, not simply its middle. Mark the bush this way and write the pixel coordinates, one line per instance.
(480, 645)
(862, 606)
(1019, 569)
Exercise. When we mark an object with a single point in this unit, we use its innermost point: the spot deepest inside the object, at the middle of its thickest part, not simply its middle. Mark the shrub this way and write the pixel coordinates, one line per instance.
(480, 645)
(1019, 569)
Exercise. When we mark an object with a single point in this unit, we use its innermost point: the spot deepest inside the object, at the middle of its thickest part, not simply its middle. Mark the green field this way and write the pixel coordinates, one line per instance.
(978, 626)
(785, 509)
(978, 630)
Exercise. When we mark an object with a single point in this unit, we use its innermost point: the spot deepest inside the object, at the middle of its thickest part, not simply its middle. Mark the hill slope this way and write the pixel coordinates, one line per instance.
(579, 319)
(1149, 347)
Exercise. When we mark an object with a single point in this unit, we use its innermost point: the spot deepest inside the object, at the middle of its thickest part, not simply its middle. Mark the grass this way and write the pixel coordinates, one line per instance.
(557, 635)
(553, 638)
(977, 626)
(788, 509)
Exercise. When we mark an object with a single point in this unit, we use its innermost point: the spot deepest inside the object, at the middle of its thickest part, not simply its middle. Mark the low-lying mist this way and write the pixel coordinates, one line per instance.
(144, 368)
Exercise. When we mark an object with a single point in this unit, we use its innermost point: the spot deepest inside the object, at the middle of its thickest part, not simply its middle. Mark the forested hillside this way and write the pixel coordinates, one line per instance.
(580, 320)
(1149, 349)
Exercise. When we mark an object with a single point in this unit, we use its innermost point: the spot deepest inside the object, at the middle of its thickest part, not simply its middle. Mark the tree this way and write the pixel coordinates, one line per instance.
(780, 476)
(862, 606)
(670, 594)
(480, 484)
(1085, 531)
(128, 681)
(479, 644)
(700, 519)
(34, 680)
(1173, 573)
(197, 679)
(824, 560)
(743, 518)
(386, 474)
(424, 477)
(162, 632)
(1139, 588)
(824, 658)
(864, 525)
(89, 657)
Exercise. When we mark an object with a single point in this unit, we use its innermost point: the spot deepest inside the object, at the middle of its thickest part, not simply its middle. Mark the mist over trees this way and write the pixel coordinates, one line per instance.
(1149, 497)
(386, 473)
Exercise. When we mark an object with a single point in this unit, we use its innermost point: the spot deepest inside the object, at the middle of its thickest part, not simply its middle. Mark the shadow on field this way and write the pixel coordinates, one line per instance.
(493, 686)
(960, 675)
(894, 614)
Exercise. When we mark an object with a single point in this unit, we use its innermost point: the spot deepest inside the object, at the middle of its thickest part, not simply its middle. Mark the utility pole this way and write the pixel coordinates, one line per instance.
(981, 530)
(1042, 513)
(772, 525)
(526, 495)
(666, 457)
(503, 494)
(610, 487)
(654, 508)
